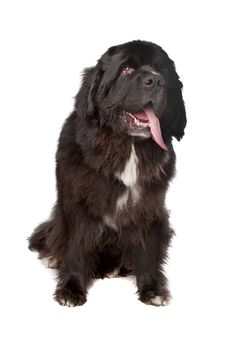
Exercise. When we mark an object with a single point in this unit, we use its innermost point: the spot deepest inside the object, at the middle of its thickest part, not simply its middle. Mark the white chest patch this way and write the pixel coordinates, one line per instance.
(130, 174)
(129, 177)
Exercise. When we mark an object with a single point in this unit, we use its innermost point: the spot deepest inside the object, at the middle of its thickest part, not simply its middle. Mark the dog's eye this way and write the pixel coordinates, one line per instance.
(127, 71)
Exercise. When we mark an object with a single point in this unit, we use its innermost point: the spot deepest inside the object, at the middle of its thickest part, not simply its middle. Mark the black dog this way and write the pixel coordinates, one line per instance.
(114, 162)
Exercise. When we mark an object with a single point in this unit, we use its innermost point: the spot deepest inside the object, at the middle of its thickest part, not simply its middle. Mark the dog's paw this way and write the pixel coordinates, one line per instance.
(150, 298)
(49, 262)
(66, 297)
(159, 300)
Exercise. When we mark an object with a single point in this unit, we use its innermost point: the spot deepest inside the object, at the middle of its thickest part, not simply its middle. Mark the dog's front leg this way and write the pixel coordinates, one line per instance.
(148, 264)
(79, 261)
(73, 279)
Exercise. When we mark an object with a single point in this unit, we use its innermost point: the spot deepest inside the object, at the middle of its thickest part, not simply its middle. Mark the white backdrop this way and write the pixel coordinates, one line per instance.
(44, 47)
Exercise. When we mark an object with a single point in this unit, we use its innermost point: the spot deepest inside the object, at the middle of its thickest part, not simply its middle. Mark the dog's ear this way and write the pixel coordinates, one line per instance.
(178, 122)
(96, 77)
(85, 99)
(175, 121)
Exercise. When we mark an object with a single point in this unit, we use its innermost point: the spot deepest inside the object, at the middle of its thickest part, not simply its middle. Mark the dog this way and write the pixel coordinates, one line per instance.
(114, 162)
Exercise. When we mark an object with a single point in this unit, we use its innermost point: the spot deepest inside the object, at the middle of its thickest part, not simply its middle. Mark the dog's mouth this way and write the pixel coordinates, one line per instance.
(144, 123)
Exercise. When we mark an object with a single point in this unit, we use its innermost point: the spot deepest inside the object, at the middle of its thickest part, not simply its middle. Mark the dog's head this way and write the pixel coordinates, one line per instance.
(135, 89)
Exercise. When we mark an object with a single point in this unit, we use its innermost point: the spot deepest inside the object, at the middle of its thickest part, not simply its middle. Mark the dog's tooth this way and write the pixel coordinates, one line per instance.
(135, 120)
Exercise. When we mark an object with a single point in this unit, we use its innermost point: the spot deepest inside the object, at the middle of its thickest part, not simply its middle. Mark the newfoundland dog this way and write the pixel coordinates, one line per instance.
(113, 166)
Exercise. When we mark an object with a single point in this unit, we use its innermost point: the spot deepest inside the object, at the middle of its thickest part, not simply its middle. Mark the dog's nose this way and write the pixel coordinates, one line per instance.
(152, 80)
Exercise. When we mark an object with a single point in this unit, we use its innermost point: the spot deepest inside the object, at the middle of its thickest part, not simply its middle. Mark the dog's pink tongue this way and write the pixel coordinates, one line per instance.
(155, 127)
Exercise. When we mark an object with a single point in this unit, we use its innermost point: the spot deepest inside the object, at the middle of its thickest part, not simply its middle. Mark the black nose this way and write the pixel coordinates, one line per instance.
(152, 80)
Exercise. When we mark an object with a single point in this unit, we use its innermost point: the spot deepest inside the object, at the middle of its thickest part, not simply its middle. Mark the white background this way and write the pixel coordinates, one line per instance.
(44, 47)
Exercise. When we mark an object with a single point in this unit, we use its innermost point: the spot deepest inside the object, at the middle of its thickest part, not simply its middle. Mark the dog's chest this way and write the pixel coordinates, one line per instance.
(131, 195)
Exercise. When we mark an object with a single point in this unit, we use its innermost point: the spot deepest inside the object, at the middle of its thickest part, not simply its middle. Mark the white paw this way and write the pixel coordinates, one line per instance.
(49, 262)
(113, 274)
(159, 301)
(67, 298)
(66, 302)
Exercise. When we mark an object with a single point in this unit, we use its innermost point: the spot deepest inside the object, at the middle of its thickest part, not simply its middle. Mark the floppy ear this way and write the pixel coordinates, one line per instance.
(94, 86)
(175, 109)
(178, 122)
(84, 100)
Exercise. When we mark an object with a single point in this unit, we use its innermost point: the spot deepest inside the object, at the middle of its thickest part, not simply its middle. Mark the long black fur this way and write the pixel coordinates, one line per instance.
(93, 148)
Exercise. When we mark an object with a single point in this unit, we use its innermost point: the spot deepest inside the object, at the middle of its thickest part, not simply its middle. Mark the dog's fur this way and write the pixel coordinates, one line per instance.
(110, 216)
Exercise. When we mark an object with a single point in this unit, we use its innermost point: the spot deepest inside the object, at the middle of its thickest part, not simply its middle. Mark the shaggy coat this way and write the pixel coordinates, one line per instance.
(112, 176)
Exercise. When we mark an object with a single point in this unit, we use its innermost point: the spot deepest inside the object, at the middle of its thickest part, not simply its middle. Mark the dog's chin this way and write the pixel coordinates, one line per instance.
(144, 134)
